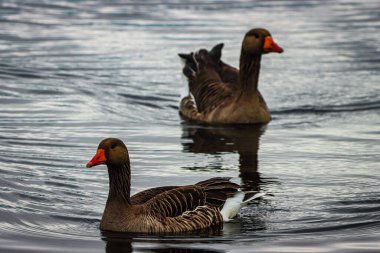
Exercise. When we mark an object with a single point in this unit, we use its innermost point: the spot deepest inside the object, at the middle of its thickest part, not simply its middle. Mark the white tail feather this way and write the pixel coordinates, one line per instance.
(233, 205)
(256, 196)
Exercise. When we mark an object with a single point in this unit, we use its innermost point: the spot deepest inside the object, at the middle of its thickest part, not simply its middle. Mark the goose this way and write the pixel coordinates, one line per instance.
(167, 209)
(222, 94)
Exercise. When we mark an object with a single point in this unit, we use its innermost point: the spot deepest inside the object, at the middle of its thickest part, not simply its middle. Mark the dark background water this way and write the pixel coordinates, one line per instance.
(75, 72)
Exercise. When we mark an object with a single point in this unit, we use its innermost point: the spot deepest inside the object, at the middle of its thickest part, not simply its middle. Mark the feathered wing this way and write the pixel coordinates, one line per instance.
(175, 202)
(182, 209)
(218, 190)
(205, 84)
(208, 88)
(228, 74)
(144, 196)
(186, 208)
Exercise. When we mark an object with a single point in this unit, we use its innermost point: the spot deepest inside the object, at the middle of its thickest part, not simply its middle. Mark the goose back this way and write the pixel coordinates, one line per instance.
(214, 187)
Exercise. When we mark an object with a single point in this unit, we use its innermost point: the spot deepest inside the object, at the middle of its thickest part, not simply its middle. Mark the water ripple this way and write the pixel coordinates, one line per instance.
(73, 73)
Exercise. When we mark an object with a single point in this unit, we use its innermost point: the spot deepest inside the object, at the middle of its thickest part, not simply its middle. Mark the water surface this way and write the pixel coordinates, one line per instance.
(75, 72)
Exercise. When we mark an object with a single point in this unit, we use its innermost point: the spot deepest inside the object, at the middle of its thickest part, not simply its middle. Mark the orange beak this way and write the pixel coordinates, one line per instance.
(99, 158)
(271, 46)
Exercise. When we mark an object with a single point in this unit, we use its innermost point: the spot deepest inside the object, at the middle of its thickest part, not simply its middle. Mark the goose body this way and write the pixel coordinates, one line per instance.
(168, 209)
(222, 94)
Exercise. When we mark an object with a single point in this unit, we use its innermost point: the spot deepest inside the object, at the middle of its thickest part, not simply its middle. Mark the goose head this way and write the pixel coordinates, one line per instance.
(112, 152)
(259, 41)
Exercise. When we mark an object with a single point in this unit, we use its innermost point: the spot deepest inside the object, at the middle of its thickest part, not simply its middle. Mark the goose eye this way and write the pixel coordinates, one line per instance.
(254, 35)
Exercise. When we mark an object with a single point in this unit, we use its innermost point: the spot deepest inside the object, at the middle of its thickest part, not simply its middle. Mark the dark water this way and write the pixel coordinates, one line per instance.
(74, 72)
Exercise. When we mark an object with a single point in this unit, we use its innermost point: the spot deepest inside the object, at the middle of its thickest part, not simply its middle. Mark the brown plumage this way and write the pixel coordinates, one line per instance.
(222, 94)
(168, 209)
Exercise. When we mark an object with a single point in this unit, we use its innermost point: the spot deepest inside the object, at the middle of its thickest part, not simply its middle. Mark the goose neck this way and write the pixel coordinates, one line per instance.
(249, 72)
(120, 183)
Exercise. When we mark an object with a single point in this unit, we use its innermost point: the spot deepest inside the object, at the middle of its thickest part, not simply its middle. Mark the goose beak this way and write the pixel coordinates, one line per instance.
(271, 46)
(99, 158)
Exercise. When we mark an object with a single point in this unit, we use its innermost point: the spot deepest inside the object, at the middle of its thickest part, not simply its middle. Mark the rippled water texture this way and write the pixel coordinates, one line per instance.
(74, 72)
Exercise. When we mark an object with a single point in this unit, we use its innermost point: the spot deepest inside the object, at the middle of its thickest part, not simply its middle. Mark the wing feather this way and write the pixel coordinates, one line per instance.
(218, 189)
(143, 196)
(177, 201)
(207, 86)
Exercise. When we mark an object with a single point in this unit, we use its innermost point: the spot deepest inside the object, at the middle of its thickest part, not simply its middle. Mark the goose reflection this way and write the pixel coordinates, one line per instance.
(241, 139)
(119, 245)
(126, 247)
(122, 242)
(181, 250)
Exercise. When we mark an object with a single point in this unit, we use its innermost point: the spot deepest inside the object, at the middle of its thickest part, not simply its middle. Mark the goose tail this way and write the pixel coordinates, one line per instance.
(233, 205)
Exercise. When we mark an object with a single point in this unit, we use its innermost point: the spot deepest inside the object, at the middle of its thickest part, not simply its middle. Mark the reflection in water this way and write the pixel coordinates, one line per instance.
(181, 250)
(243, 139)
(119, 245)
(122, 242)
